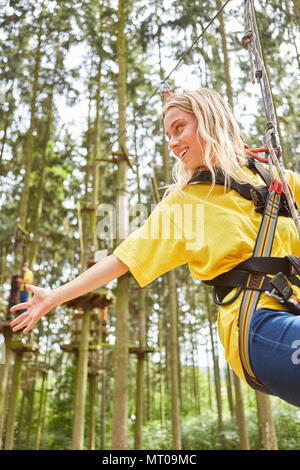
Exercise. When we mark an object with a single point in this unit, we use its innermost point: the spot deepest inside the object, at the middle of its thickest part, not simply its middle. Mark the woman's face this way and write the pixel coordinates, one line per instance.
(181, 129)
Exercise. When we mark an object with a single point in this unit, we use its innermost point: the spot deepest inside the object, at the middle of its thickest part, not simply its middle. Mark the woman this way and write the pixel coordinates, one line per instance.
(210, 227)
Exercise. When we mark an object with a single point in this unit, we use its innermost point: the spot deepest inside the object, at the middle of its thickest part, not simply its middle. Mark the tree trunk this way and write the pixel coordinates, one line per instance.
(216, 365)
(81, 385)
(161, 373)
(23, 207)
(92, 420)
(208, 378)
(140, 379)
(42, 176)
(13, 402)
(40, 413)
(229, 390)
(296, 4)
(175, 393)
(4, 371)
(240, 414)
(225, 55)
(120, 402)
(103, 397)
(266, 424)
(174, 352)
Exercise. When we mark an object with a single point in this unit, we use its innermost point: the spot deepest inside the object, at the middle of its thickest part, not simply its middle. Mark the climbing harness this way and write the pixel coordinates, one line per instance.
(262, 272)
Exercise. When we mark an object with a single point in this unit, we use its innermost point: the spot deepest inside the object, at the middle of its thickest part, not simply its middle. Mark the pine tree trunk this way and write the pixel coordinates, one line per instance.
(208, 379)
(103, 399)
(140, 379)
(296, 4)
(120, 403)
(161, 374)
(92, 420)
(229, 390)
(4, 372)
(175, 393)
(240, 414)
(42, 176)
(216, 365)
(20, 423)
(13, 402)
(29, 414)
(225, 55)
(81, 385)
(40, 413)
(266, 423)
(97, 148)
(23, 207)
(175, 388)
(120, 400)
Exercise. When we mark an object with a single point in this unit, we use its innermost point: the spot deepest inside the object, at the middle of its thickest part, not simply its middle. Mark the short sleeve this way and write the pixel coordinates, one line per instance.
(163, 243)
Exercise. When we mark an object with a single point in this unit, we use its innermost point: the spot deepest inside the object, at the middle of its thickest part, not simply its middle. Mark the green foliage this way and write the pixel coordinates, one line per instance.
(287, 423)
(201, 433)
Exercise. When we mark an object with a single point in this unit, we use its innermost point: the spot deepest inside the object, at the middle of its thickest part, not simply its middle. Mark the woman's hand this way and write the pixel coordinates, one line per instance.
(44, 300)
(37, 307)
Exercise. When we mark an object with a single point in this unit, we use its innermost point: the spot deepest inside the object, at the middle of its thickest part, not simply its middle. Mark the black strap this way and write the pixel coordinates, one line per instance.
(239, 276)
(205, 176)
(257, 194)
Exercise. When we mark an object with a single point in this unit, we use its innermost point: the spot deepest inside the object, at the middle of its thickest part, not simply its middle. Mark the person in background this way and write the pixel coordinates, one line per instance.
(27, 278)
(14, 295)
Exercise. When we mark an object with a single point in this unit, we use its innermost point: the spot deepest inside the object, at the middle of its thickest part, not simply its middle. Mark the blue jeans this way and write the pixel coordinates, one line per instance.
(274, 346)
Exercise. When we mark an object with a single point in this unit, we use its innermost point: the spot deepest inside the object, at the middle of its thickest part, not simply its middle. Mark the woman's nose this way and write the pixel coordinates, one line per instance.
(173, 143)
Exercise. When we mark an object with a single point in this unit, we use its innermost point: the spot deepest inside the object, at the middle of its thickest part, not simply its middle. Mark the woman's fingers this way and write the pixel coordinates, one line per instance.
(20, 306)
(22, 324)
(19, 318)
(29, 326)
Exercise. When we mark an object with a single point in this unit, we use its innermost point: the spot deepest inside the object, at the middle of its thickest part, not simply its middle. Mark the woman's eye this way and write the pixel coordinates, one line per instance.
(179, 127)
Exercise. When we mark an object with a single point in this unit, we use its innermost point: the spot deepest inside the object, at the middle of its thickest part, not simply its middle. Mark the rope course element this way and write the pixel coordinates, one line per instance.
(251, 42)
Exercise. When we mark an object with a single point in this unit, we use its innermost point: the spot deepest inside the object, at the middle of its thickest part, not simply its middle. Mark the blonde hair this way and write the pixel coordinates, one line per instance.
(224, 146)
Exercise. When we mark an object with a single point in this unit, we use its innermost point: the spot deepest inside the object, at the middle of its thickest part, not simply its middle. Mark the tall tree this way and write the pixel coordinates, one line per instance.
(120, 403)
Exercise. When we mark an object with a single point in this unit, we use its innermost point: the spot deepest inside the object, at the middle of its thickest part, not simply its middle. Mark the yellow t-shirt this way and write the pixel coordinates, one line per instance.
(213, 233)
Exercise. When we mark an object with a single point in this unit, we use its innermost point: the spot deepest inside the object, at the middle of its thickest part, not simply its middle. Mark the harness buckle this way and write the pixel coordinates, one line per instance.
(273, 294)
(283, 293)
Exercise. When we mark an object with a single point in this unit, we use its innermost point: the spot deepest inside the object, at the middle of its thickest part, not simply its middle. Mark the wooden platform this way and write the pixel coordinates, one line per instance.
(95, 299)
(74, 347)
(18, 346)
(4, 326)
(141, 351)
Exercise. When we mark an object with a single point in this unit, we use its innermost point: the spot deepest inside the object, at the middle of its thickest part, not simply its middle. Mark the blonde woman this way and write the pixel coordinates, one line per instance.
(213, 229)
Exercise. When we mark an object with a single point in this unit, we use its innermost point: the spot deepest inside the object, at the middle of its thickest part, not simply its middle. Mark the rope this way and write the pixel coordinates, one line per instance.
(251, 42)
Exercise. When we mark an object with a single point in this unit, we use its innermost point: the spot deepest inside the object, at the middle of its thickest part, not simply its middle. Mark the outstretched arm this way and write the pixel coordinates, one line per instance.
(44, 300)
